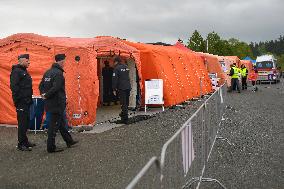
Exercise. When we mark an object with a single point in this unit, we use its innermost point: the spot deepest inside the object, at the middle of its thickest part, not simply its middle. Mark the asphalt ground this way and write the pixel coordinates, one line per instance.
(254, 124)
(106, 160)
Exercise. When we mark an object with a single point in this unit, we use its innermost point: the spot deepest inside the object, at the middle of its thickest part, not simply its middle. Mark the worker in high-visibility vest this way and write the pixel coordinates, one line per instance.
(234, 73)
(244, 72)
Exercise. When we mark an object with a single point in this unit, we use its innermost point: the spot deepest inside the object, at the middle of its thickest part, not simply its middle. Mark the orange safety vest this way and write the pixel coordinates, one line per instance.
(253, 76)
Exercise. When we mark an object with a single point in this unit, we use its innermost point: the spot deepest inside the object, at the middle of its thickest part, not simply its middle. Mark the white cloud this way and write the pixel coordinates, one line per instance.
(145, 21)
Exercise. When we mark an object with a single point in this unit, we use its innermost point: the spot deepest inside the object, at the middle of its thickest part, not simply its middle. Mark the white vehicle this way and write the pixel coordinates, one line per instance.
(267, 69)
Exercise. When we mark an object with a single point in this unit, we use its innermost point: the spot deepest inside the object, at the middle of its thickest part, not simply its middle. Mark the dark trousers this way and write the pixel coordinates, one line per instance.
(108, 93)
(254, 86)
(244, 83)
(235, 84)
(124, 102)
(23, 117)
(57, 122)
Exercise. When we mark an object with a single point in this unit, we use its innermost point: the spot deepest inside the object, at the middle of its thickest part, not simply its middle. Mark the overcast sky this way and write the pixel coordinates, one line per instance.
(144, 20)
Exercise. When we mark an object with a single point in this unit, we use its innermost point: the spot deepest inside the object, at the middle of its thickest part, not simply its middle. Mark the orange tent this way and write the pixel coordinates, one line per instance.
(82, 82)
(180, 70)
(225, 64)
(107, 47)
(248, 65)
(79, 76)
(234, 59)
(213, 66)
(181, 46)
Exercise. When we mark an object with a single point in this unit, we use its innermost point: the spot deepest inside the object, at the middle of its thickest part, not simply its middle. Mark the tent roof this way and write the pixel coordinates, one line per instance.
(249, 58)
(39, 39)
(88, 49)
(101, 44)
(181, 46)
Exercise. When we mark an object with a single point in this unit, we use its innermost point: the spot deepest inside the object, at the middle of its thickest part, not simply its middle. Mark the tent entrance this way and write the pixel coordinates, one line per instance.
(134, 81)
(108, 104)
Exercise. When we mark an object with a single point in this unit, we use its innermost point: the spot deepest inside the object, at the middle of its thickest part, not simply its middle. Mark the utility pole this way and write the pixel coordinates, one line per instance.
(207, 45)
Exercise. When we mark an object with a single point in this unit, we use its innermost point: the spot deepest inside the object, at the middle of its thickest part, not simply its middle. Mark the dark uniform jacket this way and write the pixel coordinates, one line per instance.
(53, 85)
(120, 77)
(231, 72)
(21, 86)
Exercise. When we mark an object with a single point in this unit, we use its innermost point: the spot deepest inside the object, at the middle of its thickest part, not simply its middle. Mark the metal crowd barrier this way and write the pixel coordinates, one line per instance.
(148, 177)
(185, 155)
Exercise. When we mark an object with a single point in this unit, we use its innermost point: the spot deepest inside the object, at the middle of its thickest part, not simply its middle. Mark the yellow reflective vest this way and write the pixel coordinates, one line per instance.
(244, 72)
(236, 72)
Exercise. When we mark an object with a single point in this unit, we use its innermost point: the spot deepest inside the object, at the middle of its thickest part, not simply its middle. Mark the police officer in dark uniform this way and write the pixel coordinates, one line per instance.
(52, 90)
(107, 72)
(21, 87)
(121, 84)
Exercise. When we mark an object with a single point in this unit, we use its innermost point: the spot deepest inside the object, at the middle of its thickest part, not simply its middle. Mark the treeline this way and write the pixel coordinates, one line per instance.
(214, 44)
(275, 47)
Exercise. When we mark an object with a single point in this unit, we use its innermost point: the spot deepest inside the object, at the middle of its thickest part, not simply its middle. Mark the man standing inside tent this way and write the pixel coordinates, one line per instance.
(107, 72)
(21, 87)
(52, 90)
(121, 84)
(234, 73)
(244, 72)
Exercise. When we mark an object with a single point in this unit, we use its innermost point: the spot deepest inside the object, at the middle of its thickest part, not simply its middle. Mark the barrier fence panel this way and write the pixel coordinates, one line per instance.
(185, 155)
(148, 177)
(177, 160)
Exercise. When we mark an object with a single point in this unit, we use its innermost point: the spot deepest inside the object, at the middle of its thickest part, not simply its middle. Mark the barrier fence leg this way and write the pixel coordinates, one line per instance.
(35, 115)
(213, 180)
(200, 180)
(226, 140)
(201, 88)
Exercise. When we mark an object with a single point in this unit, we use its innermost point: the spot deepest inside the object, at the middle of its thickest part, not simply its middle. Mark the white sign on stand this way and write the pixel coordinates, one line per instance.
(223, 65)
(214, 80)
(154, 92)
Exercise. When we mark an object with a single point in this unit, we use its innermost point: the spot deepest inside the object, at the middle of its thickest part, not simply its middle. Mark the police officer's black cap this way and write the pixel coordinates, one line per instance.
(117, 59)
(60, 57)
(27, 56)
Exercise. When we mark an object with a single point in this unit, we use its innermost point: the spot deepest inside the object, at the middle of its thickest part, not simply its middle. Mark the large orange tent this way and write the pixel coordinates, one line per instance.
(107, 47)
(198, 62)
(180, 70)
(42, 50)
(82, 81)
(234, 59)
(225, 63)
(213, 66)
(248, 65)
